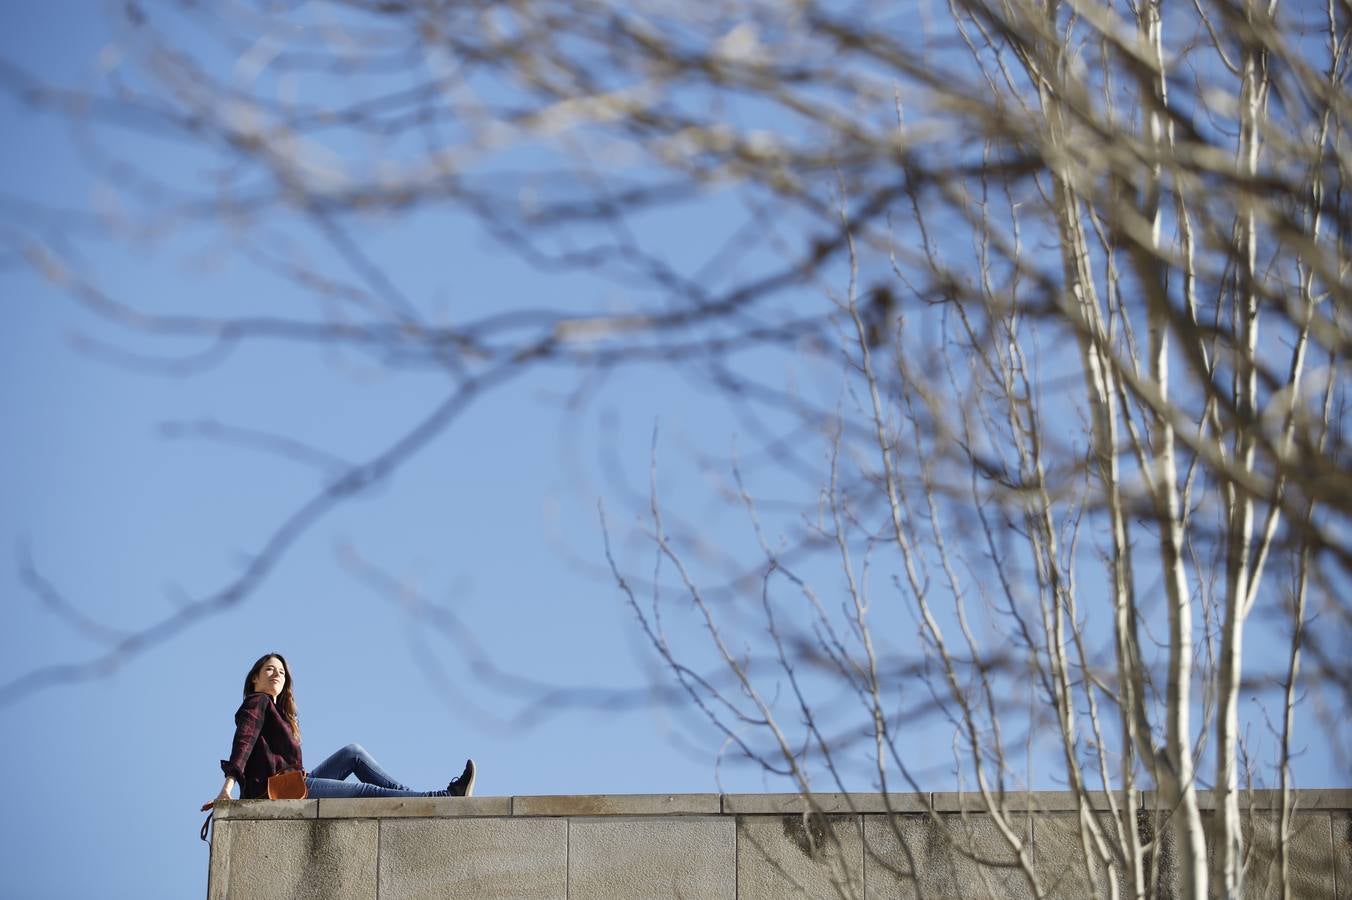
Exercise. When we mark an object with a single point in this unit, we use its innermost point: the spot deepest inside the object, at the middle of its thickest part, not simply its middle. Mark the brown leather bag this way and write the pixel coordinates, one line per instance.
(288, 786)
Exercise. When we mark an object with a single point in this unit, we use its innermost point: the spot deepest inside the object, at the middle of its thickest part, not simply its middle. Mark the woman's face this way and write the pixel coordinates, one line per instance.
(271, 677)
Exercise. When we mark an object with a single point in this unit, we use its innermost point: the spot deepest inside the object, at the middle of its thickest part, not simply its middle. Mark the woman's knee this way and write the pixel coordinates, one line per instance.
(354, 750)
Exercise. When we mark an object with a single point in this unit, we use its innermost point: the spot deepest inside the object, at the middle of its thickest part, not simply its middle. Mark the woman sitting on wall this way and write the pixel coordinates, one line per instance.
(267, 743)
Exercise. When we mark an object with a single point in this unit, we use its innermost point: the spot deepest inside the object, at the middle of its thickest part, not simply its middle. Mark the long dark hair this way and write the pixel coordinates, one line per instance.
(286, 700)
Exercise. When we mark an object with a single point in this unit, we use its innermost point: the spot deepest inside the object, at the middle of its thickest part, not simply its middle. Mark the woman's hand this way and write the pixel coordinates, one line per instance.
(222, 797)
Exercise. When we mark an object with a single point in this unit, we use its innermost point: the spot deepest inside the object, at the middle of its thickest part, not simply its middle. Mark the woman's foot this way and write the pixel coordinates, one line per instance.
(464, 785)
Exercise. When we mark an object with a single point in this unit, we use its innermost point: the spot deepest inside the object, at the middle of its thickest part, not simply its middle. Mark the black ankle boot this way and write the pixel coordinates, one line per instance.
(464, 785)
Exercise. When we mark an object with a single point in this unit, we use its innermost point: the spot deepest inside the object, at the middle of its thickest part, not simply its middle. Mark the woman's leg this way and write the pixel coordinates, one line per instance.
(332, 787)
(354, 760)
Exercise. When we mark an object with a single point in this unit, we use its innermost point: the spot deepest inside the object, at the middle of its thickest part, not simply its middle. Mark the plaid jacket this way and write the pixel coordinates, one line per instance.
(264, 746)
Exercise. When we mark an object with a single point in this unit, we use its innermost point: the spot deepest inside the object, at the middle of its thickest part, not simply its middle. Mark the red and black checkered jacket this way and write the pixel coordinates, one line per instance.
(264, 746)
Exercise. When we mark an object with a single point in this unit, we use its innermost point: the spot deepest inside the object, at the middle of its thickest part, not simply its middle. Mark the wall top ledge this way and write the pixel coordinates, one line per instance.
(588, 805)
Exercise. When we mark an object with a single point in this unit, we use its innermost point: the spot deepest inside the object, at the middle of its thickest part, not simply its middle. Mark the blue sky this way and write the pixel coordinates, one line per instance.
(496, 521)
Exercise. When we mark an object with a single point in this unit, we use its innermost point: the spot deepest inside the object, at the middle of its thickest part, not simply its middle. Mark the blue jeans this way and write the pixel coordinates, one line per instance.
(326, 779)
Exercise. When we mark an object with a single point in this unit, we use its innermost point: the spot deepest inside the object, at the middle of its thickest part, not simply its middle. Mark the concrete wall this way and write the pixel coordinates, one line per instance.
(694, 846)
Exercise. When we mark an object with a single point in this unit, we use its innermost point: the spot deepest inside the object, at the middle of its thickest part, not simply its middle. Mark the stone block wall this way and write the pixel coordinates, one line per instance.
(721, 847)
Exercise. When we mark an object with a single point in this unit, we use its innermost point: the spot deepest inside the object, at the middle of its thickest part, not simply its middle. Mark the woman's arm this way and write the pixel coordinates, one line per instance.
(248, 724)
(223, 796)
